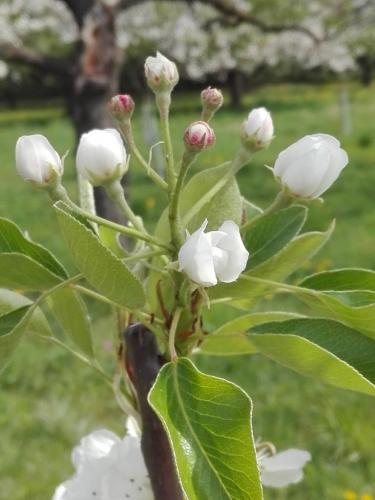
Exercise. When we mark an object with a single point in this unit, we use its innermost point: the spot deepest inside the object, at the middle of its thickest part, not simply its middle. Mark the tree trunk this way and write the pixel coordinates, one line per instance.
(143, 362)
(93, 81)
(366, 66)
(235, 86)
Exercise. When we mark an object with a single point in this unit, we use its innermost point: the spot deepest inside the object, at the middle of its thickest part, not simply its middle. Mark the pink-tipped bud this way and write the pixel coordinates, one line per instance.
(121, 106)
(199, 136)
(212, 99)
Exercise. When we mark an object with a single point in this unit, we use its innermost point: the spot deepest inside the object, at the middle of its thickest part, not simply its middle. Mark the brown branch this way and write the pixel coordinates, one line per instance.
(23, 55)
(143, 362)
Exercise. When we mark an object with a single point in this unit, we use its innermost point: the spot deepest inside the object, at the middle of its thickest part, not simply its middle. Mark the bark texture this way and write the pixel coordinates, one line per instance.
(143, 362)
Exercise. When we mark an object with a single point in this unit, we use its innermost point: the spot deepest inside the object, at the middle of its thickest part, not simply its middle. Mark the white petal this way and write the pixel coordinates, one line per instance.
(287, 459)
(60, 492)
(304, 175)
(291, 153)
(339, 160)
(196, 259)
(237, 254)
(280, 479)
(96, 445)
(128, 477)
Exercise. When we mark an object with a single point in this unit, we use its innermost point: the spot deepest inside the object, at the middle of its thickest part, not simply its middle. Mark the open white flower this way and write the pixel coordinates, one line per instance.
(101, 156)
(281, 469)
(214, 256)
(107, 468)
(311, 165)
(37, 161)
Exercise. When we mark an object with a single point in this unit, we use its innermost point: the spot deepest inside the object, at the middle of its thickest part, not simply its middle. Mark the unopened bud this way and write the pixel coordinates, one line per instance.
(212, 99)
(121, 106)
(161, 73)
(257, 129)
(37, 161)
(101, 156)
(199, 136)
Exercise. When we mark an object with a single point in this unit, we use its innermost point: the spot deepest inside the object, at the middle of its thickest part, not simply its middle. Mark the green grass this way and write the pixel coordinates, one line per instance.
(48, 400)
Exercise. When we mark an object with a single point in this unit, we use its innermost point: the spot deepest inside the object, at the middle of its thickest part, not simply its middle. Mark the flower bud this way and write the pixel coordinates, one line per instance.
(101, 156)
(257, 129)
(199, 136)
(37, 161)
(161, 73)
(121, 106)
(214, 256)
(310, 166)
(212, 99)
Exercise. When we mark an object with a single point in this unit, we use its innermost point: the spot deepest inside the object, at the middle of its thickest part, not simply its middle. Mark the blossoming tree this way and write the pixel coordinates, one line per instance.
(189, 434)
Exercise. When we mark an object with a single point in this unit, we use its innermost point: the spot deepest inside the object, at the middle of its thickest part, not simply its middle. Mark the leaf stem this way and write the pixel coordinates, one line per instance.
(172, 334)
(127, 132)
(174, 206)
(116, 192)
(163, 101)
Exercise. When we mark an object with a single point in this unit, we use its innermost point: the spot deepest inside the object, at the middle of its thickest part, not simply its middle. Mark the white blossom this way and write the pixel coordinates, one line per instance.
(214, 256)
(310, 166)
(107, 468)
(101, 156)
(36, 160)
(257, 129)
(282, 469)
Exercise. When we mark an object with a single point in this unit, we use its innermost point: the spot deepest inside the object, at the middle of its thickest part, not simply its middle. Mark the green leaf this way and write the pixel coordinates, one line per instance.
(271, 233)
(212, 194)
(106, 272)
(232, 339)
(72, 314)
(20, 271)
(12, 240)
(14, 324)
(10, 301)
(341, 280)
(245, 291)
(208, 422)
(321, 348)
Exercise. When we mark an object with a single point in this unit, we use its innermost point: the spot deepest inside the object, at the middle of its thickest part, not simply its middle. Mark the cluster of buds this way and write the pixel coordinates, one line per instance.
(305, 169)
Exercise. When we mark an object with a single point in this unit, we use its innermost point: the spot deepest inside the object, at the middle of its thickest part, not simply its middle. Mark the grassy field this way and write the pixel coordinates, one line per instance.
(48, 400)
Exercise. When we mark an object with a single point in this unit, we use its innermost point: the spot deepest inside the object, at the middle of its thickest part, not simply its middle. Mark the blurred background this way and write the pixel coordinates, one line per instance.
(311, 64)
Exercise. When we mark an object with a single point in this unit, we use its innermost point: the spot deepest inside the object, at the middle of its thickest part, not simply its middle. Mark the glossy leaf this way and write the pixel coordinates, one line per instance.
(231, 338)
(321, 348)
(23, 273)
(208, 422)
(72, 314)
(12, 240)
(106, 272)
(271, 233)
